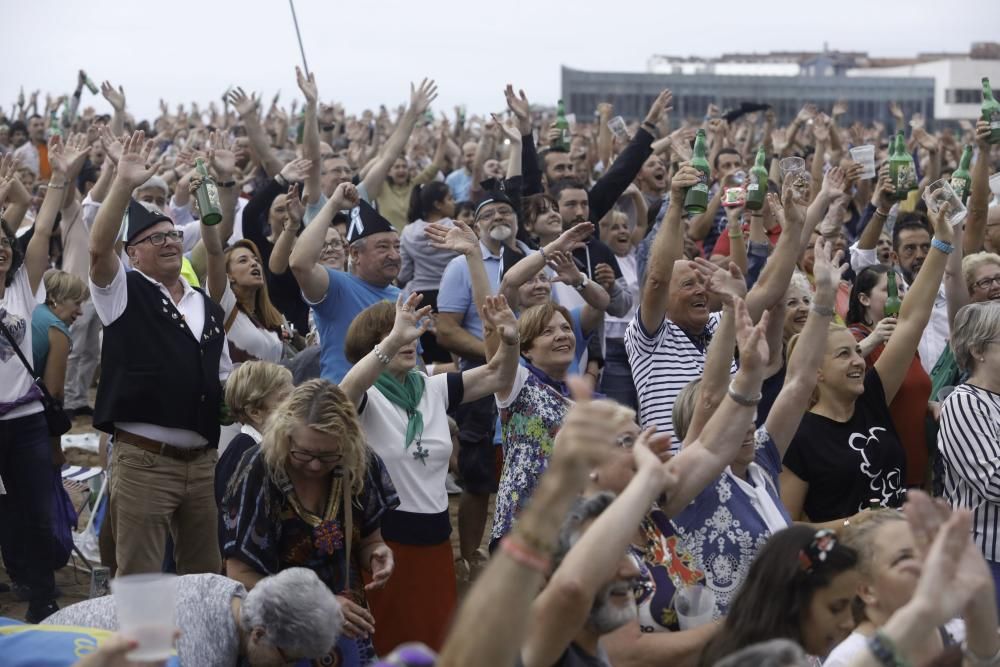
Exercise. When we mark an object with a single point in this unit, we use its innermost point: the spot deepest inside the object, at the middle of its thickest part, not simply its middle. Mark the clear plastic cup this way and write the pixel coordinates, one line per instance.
(618, 127)
(939, 194)
(794, 169)
(695, 606)
(865, 156)
(146, 613)
(791, 165)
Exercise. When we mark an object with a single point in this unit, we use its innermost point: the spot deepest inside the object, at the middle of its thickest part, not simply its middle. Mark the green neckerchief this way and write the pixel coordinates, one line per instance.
(407, 395)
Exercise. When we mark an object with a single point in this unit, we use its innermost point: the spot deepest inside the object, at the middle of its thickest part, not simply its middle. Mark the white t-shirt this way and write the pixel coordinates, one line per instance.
(16, 307)
(614, 327)
(847, 651)
(421, 486)
(247, 336)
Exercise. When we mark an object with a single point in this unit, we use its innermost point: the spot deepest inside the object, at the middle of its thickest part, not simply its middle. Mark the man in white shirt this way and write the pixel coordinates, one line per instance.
(164, 358)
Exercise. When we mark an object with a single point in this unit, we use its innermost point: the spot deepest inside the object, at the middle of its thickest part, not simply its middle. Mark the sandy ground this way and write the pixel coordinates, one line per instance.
(74, 580)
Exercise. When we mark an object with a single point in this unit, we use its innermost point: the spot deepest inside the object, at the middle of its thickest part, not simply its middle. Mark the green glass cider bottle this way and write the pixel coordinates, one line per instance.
(991, 112)
(207, 195)
(757, 185)
(960, 178)
(696, 199)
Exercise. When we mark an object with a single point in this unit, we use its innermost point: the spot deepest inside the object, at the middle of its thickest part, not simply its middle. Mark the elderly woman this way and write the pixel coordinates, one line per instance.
(404, 416)
(969, 439)
(890, 566)
(846, 453)
(286, 617)
(313, 495)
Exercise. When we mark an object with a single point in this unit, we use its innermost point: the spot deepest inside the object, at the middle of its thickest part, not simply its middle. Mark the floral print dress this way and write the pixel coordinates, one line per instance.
(267, 528)
(530, 417)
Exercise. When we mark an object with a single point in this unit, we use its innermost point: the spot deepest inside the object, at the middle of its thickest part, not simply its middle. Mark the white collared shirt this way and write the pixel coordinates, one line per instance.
(110, 303)
(252, 432)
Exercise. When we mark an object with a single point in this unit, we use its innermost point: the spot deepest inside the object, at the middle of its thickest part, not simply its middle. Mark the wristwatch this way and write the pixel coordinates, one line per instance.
(583, 284)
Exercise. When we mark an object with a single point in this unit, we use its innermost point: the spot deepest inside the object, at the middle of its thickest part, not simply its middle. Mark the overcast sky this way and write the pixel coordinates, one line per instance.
(365, 53)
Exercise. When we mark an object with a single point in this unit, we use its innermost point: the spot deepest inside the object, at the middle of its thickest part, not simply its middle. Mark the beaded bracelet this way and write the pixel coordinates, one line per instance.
(943, 246)
(380, 355)
(885, 651)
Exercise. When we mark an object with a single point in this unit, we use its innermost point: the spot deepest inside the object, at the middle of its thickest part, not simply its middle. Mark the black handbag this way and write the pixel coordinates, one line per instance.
(56, 418)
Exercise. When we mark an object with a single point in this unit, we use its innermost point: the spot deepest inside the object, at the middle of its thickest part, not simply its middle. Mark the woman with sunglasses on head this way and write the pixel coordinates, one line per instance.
(846, 452)
(799, 587)
(286, 505)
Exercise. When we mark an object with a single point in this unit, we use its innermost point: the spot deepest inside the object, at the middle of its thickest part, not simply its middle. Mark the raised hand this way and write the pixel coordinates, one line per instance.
(660, 106)
(307, 84)
(422, 96)
(296, 170)
(221, 156)
(497, 316)
(828, 267)
(134, 165)
(8, 173)
(983, 134)
(834, 182)
(839, 108)
(294, 207)
(345, 196)
(411, 320)
(729, 285)
(604, 276)
(647, 459)
(926, 140)
(572, 238)
(564, 266)
(114, 97)
(509, 130)
(518, 105)
(821, 129)
(685, 177)
(589, 431)
(68, 157)
(896, 111)
(806, 112)
(884, 190)
(457, 237)
(243, 103)
(751, 340)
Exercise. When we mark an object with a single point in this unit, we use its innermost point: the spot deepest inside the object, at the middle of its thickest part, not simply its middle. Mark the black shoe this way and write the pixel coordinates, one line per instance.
(39, 611)
(23, 593)
(82, 411)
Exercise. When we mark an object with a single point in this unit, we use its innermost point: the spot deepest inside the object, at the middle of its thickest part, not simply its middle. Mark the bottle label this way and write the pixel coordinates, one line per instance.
(959, 185)
(993, 118)
(906, 177)
(753, 187)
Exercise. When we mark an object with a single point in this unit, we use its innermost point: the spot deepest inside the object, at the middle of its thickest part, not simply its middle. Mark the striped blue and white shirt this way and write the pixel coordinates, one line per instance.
(663, 363)
(969, 442)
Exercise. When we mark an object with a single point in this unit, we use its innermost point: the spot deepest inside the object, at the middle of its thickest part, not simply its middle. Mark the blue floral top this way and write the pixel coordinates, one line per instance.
(712, 542)
(529, 418)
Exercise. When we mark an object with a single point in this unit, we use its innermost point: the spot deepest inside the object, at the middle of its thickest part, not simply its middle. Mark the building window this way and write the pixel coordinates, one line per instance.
(963, 96)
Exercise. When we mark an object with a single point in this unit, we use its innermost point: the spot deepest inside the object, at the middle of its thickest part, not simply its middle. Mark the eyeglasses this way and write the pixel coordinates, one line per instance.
(815, 555)
(987, 283)
(303, 456)
(505, 212)
(626, 441)
(335, 245)
(160, 238)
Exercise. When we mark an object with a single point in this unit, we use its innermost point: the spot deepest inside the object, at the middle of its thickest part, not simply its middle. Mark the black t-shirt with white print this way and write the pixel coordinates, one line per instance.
(848, 464)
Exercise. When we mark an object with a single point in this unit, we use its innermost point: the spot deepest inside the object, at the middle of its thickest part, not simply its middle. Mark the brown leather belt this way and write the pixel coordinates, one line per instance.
(161, 448)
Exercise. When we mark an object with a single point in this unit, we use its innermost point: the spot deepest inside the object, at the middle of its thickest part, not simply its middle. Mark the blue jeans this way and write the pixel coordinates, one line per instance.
(616, 381)
(26, 537)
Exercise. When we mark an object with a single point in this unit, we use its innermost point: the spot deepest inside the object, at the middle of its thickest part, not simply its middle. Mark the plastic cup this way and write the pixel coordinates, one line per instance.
(939, 194)
(794, 169)
(145, 604)
(791, 165)
(995, 184)
(695, 606)
(865, 156)
(618, 127)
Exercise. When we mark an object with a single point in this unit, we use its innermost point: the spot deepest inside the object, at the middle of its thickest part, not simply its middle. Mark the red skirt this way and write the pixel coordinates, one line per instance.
(419, 600)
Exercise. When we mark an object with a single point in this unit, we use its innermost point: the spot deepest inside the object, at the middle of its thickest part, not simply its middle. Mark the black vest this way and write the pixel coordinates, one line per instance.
(154, 371)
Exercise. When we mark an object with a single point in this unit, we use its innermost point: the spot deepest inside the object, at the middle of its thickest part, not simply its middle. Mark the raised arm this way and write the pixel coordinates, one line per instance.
(420, 99)
(502, 596)
(503, 343)
(668, 247)
(979, 194)
(793, 400)
(605, 140)
(595, 297)
(312, 276)
(133, 170)
(774, 279)
(15, 195)
(882, 201)
(411, 323)
(895, 361)
(520, 107)
(310, 134)
(563, 606)
(277, 264)
(246, 107)
(704, 459)
(116, 98)
(527, 268)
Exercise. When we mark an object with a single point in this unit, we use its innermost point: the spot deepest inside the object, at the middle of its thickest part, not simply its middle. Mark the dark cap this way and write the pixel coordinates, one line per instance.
(366, 221)
(138, 219)
(494, 197)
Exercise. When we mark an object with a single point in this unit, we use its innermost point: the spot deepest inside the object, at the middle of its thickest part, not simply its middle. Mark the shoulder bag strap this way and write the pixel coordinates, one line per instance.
(17, 350)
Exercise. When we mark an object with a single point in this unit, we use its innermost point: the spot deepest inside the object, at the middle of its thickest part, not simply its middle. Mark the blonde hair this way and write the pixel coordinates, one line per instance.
(833, 328)
(252, 383)
(976, 325)
(322, 406)
(62, 286)
(972, 263)
(683, 410)
(860, 536)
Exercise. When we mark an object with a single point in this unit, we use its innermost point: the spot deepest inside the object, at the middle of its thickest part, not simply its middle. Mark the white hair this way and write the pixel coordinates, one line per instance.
(153, 182)
(297, 612)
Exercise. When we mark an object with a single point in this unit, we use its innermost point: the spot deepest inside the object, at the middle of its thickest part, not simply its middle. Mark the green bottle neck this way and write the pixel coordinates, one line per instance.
(966, 159)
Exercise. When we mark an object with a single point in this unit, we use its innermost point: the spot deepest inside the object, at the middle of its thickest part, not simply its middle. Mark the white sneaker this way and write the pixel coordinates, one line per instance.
(451, 485)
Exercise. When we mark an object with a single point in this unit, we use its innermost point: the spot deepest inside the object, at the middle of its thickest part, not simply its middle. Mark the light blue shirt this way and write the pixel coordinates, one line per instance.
(345, 298)
(455, 293)
(460, 182)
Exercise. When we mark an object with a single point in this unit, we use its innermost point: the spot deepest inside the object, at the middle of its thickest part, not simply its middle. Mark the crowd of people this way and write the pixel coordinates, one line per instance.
(307, 328)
